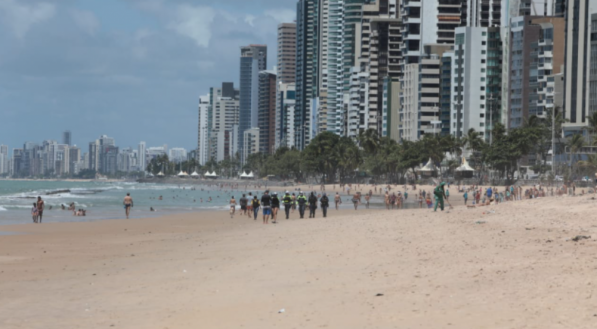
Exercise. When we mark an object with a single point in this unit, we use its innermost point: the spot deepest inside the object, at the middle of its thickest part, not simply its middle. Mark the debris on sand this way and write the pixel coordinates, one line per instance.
(580, 237)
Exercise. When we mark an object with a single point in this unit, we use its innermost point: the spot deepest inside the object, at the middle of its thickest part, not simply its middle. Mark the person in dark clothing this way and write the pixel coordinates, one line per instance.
(312, 205)
(255, 205)
(275, 207)
(243, 205)
(325, 203)
(287, 200)
(302, 203)
(266, 203)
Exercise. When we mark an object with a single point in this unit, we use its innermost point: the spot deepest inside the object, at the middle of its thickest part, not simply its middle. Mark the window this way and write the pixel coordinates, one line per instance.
(459, 39)
(481, 124)
(483, 52)
(483, 43)
(482, 70)
(482, 79)
(482, 115)
(484, 33)
(482, 88)
(482, 61)
(482, 97)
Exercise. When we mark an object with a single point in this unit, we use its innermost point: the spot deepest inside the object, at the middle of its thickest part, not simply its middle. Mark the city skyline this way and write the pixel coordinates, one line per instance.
(149, 61)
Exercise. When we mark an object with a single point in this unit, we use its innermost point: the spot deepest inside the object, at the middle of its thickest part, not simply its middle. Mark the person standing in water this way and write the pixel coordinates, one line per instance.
(34, 212)
(337, 200)
(356, 199)
(40, 209)
(128, 203)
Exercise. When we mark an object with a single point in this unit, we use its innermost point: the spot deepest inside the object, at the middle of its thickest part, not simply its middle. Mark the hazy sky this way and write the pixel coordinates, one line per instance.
(129, 69)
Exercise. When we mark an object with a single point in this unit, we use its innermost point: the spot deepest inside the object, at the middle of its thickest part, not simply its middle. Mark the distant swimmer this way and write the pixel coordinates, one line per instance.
(128, 203)
(151, 209)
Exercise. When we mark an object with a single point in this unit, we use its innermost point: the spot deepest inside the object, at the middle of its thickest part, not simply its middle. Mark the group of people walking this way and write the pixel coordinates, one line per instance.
(271, 204)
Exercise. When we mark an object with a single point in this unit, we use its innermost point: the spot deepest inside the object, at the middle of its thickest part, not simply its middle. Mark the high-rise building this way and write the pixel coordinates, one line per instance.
(66, 138)
(74, 158)
(253, 59)
(307, 69)
(286, 53)
(577, 63)
(142, 157)
(482, 13)
(203, 130)
(421, 98)
(267, 112)
(223, 122)
(286, 69)
(285, 123)
(536, 53)
(476, 77)
(335, 74)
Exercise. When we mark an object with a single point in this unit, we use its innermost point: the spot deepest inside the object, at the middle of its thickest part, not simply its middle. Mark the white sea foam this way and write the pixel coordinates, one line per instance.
(2, 208)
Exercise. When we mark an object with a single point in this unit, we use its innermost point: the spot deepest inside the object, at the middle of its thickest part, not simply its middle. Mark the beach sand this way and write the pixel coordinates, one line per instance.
(507, 266)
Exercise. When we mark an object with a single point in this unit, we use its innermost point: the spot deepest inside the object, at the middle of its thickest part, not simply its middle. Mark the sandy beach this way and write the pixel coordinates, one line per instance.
(513, 265)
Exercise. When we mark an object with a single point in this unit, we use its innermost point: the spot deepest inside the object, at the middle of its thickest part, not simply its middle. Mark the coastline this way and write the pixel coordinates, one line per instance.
(512, 265)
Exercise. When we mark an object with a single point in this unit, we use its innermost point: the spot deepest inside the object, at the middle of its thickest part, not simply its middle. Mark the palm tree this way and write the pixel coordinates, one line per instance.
(575, 143)
(369, 140)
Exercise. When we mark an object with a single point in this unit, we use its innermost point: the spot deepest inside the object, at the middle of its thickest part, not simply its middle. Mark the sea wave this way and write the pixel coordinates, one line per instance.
(2, 208)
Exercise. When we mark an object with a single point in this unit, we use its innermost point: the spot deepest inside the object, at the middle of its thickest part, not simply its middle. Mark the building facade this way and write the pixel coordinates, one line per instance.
(253, 59)
(267, 111)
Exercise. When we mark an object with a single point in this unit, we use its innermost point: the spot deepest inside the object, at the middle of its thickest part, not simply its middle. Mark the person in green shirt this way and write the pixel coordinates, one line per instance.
(439, 194)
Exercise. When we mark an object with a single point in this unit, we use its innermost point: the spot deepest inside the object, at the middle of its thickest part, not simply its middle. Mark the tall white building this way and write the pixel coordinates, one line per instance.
(476, 80)
(285, 122)
(142, 157)
(203, 130)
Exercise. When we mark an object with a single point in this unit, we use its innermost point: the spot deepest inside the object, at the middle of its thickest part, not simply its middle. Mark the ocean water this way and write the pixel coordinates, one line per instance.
(103, 200)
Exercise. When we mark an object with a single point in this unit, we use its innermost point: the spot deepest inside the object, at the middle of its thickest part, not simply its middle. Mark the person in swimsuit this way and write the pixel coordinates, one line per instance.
(356, 199)
(337, 200)
(34, 212)
(40, 209)
(232, 207)
(128, 203)
(250, 206)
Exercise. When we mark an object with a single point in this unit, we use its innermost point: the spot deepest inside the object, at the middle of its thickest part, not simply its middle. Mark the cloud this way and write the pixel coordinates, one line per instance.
(20, 17)
(194, 22)
(281, 15)
(249, 19)
(85, 20)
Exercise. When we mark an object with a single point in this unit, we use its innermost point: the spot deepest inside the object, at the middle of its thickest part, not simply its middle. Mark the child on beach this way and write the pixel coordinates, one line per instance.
(34, 212)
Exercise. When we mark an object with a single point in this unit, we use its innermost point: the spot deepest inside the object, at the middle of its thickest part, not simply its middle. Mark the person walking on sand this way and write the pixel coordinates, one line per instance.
(312, 205)
(250, 205)
(302, 203)
(34, 212)
(387, 200)
(287, 200)
(325, 204)
(266, 203)
(232, 207)
(128, 203)
(40, 209)
(337, 200)
(439, 194)
(255, 207)
(356, 199)
(367, 198)
(465, 197)
(275, 207)
(243, 205)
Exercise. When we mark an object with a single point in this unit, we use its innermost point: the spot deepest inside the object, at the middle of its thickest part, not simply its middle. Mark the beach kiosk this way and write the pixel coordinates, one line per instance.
(428, 170)
(464, 171)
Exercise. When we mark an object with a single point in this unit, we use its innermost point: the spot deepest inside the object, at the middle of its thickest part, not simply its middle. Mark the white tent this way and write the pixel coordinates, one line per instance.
(465, 166)
(250, 175)
(150, 175)
(160, 174)
(247, 176)
(183, 174)
(195, 174)
(211, 175)
(464, 171)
